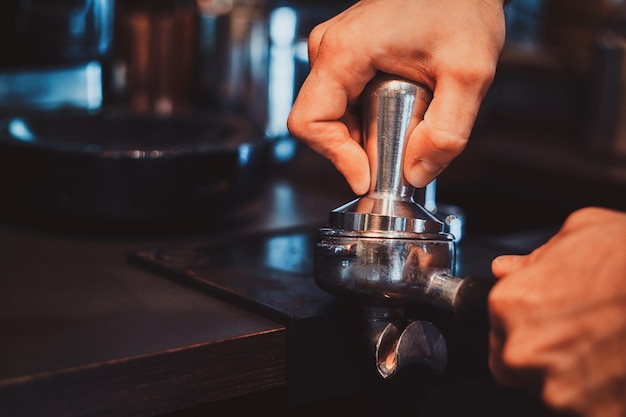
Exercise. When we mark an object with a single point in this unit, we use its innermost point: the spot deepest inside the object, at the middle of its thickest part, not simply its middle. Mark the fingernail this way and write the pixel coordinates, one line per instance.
(423, 173)
(506, 261)
(430, 167)
(360, 188)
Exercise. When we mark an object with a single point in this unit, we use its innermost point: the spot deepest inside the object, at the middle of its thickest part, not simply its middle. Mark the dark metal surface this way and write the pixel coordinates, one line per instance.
(125, 166)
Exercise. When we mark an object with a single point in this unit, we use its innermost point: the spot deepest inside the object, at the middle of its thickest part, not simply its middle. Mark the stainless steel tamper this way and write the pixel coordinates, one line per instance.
(386, 251)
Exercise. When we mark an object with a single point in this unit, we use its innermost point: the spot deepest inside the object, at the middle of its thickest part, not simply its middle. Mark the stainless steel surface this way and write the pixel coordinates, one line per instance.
(385, 271)
(394, 107)
(397, 344)
(385, 250)
(453, 217)
(130, 167)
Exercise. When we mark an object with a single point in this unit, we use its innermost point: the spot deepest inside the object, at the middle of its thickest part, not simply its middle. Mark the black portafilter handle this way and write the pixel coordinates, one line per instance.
(471, 301)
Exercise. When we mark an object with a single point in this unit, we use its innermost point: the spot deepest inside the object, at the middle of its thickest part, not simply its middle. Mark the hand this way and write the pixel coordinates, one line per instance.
(451, 46)
(558, 317)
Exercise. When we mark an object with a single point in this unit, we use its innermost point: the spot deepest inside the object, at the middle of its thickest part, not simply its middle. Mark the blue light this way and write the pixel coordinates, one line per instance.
(283, 27)
(284, 149)
(19, 130)
(244, 154)
(53, 88)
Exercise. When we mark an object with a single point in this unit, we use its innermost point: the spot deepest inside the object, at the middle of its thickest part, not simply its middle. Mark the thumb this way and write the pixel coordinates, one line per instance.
(504, 264)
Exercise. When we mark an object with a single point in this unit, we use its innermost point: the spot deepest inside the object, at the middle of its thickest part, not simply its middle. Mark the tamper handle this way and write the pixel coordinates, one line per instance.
(393, 107)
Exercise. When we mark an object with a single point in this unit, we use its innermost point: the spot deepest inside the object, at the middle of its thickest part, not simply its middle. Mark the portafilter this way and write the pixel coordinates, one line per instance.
(385, 251)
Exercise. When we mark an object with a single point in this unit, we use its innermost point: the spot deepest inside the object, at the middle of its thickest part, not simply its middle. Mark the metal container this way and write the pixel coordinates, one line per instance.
(128, 167)
(153, 68)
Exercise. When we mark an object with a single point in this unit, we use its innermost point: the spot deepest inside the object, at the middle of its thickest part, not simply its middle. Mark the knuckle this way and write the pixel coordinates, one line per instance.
(496, 302)
(293, 122)
(472, 72)
(316, 35)
(327, 37)
(503, 301)
(582, 216)
(576, 220)
(515, 356)
(448, 142)
(558, 396)
(297, 124)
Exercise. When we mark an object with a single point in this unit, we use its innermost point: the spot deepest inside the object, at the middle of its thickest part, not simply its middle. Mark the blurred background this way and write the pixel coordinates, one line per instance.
(146, 123)
(138, 92)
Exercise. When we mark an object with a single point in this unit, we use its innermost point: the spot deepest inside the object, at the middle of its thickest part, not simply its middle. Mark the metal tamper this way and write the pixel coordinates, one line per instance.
(385, 250)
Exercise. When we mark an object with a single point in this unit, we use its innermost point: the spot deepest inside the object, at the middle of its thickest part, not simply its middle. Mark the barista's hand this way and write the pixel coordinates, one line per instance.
(558, 317)
(452, 46)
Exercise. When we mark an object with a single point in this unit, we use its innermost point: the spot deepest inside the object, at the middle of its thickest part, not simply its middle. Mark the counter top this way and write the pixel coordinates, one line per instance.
(86, 332)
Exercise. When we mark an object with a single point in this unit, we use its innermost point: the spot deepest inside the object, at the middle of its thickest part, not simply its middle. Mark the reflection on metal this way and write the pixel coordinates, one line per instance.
(398, 343)
(284, 208)
(288, 253)
(385, 250)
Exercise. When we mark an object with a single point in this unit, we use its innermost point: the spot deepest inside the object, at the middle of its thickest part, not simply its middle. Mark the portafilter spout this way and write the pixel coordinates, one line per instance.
(387, 251)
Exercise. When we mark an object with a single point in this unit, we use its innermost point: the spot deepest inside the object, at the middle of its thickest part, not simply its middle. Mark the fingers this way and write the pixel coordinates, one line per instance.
(504, 264)
(323, 113)
(447, 124)
(315, 39)
(459, 65)
(509, 334)
(500, 371)
(317, 34)
(509, 369)
(318, 117)
(585, 216)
